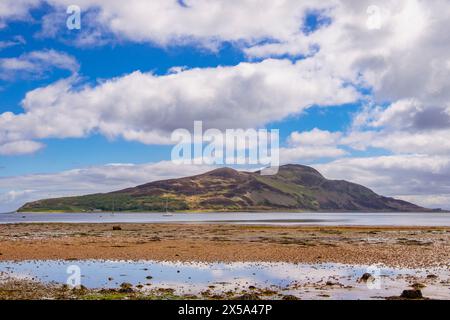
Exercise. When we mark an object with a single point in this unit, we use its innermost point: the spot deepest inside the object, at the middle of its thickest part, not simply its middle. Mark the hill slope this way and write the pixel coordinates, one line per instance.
(295, 187)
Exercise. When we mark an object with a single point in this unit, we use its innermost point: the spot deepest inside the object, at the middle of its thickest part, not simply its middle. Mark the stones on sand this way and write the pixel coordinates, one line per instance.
(366, 277)
(412, 294)
(249, 296)
(126, 287)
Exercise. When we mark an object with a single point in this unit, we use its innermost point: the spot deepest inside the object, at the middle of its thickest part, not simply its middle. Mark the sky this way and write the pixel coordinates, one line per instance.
(358, 89)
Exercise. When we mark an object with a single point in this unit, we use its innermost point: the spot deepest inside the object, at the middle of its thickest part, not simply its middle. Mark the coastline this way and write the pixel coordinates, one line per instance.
(268, 210)
(392, 246)
(328, 261)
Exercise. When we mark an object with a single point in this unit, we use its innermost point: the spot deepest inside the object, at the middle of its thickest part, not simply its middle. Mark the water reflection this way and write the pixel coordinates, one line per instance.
(338, 281)
(266, 218)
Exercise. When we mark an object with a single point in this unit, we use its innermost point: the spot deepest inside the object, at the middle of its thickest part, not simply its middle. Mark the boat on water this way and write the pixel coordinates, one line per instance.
(167, 213)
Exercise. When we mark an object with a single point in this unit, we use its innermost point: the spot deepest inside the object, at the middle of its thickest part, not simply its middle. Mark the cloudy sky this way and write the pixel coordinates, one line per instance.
(358, 89)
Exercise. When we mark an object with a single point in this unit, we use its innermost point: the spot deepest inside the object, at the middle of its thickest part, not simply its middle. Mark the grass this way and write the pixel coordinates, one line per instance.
(105, 203)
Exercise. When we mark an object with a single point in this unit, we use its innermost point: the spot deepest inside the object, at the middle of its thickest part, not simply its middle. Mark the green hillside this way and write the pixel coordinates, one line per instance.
(295, 187)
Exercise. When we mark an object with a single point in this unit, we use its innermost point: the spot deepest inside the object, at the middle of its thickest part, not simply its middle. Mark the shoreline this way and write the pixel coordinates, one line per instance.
(270, 210)
(392, 246)
(346, 249)
(131, 280)
(287, 219)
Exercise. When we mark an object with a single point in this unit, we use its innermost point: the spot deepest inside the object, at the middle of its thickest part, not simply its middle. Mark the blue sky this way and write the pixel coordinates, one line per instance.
(115, 60)
(333, 78)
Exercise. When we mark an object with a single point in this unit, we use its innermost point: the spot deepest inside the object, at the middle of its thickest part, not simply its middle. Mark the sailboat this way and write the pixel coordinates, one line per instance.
(167, 214)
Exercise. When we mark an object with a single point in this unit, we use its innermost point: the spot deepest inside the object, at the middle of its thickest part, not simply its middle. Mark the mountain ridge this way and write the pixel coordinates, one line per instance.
(293, 188)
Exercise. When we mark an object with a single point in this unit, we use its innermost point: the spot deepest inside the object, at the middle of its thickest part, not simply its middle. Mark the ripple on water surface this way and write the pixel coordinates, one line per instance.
(307, 281)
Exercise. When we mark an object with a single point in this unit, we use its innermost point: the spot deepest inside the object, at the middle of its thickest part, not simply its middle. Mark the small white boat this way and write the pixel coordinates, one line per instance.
(167, 214)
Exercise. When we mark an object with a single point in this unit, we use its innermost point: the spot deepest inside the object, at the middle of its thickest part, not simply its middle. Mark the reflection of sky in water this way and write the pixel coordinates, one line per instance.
(195, 277)
(266, 218)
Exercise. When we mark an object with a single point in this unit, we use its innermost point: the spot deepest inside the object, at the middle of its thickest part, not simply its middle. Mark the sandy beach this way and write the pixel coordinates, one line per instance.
(412, 247)
(416, 248)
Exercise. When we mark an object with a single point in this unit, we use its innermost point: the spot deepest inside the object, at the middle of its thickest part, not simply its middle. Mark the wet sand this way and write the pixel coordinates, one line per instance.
(413, 247)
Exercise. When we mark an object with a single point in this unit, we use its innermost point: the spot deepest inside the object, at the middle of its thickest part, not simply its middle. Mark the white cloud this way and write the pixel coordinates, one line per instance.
(169, 22)
(15, 191)
(16, 10)
(13, 195)
(20, 147)
(407, 114)
(309, 153)
(314, 137)
(201, 21)
(434, 142)
(15, 41)
(429, 201)
(311, 145)
(405, 126)
(35, 64)
(406, 57)
(147, 108)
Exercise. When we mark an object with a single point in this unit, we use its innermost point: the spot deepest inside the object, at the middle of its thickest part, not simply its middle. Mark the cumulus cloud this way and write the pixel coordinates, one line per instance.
(20, 147)
(15, 191)
(311, 145)
(404, 58)
(407, 114)
(13, 195)
(197, 21)
(406, 55)
(145, 107)
(309, 153)
(35, 64)
(405, 126)
(16, 10)
(314, 137)
(433, 142)
(162, 22)
(403, 62)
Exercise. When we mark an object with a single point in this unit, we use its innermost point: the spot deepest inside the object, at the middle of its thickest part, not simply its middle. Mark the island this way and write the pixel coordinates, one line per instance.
(293, 188)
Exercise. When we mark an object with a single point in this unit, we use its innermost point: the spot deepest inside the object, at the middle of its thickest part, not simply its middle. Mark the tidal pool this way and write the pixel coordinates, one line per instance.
(306, 281)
